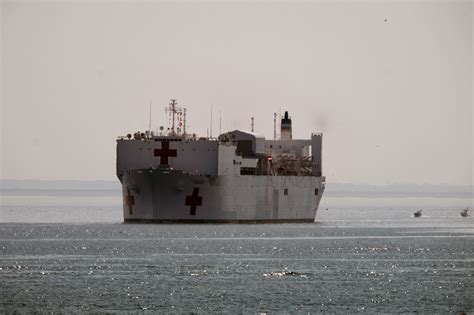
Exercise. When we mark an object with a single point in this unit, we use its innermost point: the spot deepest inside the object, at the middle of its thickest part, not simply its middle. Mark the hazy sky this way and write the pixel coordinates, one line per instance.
(393, 98)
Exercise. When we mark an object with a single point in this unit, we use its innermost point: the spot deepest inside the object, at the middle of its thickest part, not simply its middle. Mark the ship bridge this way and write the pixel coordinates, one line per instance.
(248, 143)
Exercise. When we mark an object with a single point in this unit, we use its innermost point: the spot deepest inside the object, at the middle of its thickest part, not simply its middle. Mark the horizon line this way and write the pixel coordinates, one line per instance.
(337, 183)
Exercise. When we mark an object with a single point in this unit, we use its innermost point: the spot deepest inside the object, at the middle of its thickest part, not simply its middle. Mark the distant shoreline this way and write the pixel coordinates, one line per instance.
(61, 192)
(328, 193)
(382, 194)
(113, 188)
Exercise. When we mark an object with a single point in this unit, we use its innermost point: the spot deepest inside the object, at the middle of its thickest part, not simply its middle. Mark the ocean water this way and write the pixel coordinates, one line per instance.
(69, 252)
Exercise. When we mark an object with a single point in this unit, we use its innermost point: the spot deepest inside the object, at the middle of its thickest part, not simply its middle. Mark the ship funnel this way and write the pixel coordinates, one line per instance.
(286, 128)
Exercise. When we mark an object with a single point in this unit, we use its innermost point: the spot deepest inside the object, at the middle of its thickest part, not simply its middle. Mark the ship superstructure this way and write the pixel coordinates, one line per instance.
(173, 176)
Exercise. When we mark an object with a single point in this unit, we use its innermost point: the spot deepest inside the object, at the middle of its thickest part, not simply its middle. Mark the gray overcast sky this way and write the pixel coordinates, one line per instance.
(393, 98)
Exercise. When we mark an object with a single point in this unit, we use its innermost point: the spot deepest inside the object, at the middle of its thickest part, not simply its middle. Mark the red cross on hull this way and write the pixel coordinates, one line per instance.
(194, 200)
(165, 152)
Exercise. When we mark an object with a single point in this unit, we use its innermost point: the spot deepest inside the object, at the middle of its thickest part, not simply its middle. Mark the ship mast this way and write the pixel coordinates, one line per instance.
(149, 122)
(174, 110)
(211, 119)
(184, 121)
(274, 126)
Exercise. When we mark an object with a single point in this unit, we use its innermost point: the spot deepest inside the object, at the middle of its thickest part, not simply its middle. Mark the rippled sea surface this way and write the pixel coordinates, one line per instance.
(360, 256)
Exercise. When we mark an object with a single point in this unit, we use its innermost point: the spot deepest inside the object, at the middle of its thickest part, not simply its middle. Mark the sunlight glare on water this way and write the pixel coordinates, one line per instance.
(376, 259)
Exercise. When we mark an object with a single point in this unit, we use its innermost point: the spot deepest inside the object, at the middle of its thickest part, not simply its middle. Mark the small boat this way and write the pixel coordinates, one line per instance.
(465, 212)
(417, 214)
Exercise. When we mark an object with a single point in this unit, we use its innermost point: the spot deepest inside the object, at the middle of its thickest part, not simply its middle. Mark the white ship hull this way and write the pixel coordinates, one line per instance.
(238, 177)
(164, 195)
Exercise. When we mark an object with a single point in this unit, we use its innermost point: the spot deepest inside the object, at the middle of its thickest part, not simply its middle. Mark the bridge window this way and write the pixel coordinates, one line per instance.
(316, 191)
(285, 191)
(245, 147)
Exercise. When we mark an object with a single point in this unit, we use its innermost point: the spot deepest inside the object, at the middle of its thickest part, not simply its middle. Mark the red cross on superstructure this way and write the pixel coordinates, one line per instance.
(130, 201)
(194, 200)
(165, 152)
